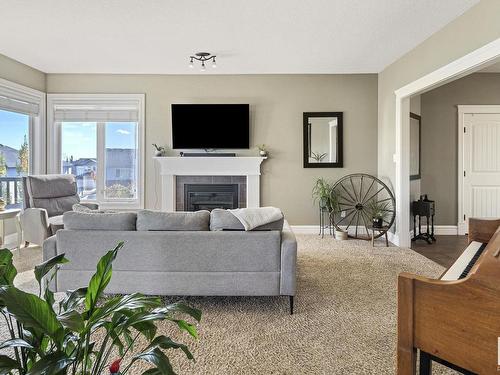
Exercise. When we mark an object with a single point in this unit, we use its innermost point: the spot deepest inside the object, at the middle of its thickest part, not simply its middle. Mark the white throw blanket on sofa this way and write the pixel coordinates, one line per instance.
(252, 218)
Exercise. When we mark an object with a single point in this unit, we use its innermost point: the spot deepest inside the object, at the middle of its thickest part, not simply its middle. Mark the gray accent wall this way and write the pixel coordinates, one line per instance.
(277, 103)
(440, 137)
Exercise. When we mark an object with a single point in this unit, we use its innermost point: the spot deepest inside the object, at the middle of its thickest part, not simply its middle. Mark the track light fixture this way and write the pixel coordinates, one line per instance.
(202, 57)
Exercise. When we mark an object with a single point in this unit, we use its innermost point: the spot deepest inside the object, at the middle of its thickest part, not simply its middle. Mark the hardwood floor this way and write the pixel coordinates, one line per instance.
(444, 251)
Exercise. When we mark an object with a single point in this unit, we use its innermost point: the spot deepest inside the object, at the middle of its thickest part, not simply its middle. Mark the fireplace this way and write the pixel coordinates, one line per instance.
(210, 196)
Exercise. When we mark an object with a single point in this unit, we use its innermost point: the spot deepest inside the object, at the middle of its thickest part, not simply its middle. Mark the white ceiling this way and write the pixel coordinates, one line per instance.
(248, 36)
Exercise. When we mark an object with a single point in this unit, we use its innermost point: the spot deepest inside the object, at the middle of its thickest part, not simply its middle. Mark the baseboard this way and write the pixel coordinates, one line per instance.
(393, 238)
(314, 229)
(440, 230)
(305, 229)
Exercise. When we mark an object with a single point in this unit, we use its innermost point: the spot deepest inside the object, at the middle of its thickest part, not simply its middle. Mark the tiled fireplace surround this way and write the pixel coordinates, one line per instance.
(175, 172)
(180, 181)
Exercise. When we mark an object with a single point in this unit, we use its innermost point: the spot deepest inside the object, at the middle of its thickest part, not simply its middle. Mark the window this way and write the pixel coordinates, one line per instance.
(21, 137)
(98, 139)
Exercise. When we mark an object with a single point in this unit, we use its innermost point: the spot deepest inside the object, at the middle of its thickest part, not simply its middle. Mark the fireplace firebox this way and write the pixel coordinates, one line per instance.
(210, 196)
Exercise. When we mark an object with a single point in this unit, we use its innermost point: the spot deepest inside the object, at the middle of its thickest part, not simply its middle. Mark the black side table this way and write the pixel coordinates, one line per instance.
(423, 208)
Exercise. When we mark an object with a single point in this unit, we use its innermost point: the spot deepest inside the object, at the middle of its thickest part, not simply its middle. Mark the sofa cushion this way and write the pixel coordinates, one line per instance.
(173, 221)
(174, 251)
(124, 221)
(56, 223)
(225, 220)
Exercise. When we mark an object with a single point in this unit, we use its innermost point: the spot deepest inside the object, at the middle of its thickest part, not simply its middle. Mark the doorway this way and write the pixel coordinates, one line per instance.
(479, 163)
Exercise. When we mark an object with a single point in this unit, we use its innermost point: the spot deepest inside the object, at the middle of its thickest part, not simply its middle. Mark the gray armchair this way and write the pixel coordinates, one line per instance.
(46, 198)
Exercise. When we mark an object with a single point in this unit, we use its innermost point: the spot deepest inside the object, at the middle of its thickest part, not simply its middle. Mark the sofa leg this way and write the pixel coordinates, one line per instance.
(291, 304)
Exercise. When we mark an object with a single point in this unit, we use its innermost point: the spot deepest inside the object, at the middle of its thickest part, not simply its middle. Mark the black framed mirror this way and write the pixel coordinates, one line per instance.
(323, 147)
(415, 145)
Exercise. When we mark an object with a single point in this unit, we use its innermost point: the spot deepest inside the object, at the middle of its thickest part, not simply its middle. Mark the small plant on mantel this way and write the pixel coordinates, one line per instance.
(160, 150)
(262, 150)
(57, 339)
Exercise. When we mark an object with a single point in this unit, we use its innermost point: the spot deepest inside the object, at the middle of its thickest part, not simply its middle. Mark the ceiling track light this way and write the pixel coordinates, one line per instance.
(202, 57)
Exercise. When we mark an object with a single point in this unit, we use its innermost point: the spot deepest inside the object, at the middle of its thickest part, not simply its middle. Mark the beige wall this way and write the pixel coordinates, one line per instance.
(23, 74)
(277, 103)
(475, 28)
(440, 137)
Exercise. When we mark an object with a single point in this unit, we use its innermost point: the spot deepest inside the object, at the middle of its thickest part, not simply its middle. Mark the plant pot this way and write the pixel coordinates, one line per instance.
(2, 204)
(340, 235)
(377, 222)
(263, 153)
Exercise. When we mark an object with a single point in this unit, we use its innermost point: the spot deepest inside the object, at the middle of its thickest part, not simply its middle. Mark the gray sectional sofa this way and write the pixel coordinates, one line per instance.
(177, 253)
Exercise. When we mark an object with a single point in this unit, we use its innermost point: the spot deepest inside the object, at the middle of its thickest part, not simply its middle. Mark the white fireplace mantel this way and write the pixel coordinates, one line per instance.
(171, 166)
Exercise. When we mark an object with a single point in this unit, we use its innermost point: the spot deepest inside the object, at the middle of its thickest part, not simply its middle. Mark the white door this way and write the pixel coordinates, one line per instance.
(481, 166)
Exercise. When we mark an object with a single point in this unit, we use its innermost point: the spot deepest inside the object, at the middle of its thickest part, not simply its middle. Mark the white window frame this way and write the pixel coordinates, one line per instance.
(37, 125)
(54, 140)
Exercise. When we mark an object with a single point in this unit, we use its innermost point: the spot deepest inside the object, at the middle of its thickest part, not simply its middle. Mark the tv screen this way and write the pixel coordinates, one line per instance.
(200, 126)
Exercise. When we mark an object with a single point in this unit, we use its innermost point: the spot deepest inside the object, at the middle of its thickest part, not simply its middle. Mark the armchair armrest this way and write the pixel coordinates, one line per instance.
(35, 225)
(288, 261)
(481, 230)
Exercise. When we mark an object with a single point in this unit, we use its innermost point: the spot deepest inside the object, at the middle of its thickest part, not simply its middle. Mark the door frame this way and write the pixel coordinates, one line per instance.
(465, 65)
(462, 111)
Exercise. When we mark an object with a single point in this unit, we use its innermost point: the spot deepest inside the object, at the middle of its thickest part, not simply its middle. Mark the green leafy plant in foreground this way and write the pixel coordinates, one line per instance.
(49, 338)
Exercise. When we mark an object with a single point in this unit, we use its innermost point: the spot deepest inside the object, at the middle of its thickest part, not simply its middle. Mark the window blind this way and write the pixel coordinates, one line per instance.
(15, 101)
(96, 113)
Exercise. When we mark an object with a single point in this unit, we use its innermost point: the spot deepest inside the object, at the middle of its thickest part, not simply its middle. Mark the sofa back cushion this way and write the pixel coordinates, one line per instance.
(124, 221)
(55, 193)
(173, 221)
(225, 220)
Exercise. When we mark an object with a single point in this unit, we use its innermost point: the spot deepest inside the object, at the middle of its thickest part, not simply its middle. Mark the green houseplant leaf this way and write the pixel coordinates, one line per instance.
(157, 358)
(101, 278)
(32, 312)
(15, 343)
(7, 270)
(42, 269)
(53, 364)
(7, 364)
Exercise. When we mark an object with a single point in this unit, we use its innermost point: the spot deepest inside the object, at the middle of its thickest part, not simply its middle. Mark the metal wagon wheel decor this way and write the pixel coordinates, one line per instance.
(355, 193)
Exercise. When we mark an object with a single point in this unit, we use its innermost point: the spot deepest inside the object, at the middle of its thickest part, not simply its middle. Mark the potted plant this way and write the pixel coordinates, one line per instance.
(262, 150)
(60, 338)
(160, 150)
(317, 156)
(322, 193)
(379, 211)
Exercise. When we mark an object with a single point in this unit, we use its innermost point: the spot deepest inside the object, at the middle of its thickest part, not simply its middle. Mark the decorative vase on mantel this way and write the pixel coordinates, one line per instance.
(2, 204)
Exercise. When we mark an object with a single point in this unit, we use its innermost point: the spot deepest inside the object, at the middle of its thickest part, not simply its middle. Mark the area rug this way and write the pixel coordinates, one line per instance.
(344, 321)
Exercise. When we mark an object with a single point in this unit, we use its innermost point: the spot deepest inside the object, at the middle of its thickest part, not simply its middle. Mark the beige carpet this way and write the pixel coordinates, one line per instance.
(344, 322)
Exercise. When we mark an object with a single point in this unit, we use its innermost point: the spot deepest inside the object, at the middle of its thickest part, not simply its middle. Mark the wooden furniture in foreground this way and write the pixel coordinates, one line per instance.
(454, 320)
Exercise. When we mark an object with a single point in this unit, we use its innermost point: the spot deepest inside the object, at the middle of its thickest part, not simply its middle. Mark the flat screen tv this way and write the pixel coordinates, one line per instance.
(202, 126)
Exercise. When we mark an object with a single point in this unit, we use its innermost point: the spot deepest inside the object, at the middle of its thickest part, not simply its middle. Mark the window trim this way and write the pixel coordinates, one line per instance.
(54, 139)
(37, 124)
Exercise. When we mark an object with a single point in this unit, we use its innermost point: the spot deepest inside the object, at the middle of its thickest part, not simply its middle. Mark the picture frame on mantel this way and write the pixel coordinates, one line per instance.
(415, 146)
(323, 140)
